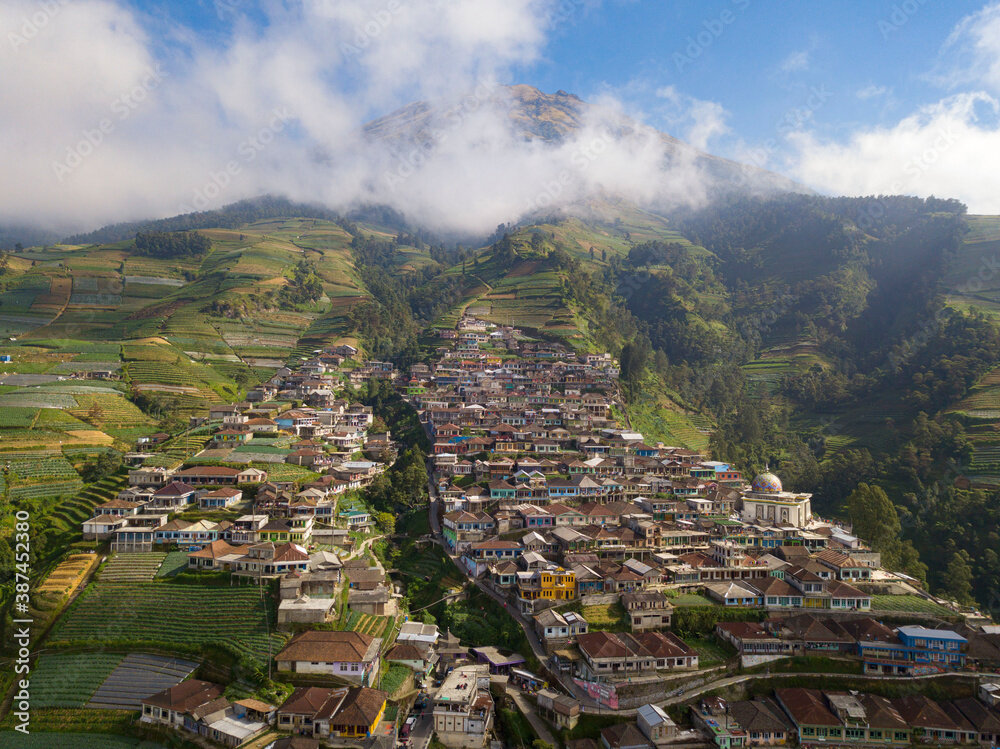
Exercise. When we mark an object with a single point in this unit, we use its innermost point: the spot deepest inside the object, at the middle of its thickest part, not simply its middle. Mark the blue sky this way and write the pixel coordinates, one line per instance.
(760, 60)
(122, 109)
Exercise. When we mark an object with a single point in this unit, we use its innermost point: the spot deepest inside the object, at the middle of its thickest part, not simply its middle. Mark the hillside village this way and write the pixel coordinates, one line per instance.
(640, 574)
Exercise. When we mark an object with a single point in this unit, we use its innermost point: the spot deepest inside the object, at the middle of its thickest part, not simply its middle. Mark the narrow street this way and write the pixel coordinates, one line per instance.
(528, 710)
(586, 702)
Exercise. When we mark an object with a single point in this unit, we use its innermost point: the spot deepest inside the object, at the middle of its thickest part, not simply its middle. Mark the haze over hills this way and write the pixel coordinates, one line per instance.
(838, 340)
(505, 154)
(562, 118)
(570, 329)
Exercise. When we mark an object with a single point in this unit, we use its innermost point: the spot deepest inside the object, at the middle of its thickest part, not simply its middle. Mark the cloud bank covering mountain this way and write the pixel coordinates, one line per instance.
(114, 113)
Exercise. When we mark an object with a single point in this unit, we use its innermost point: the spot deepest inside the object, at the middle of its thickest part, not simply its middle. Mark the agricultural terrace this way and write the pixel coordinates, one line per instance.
(367, 624)
(48, 740)
(393, 678)
(175, 617)
(70, 680)
(38, 475)
(68, 574)
(132, 566)
(909, 603)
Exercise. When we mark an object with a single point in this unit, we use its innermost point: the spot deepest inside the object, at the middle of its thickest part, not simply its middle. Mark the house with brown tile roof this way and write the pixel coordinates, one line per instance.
(169, 706)
(931, 722)
(616, 655)
(351, 656)
(217, 555)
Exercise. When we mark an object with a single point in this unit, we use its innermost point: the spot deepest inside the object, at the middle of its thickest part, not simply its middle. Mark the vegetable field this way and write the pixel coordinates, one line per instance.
(132, 567)
(175, 616)
(910, 603)
(48, 740)
(70, 680)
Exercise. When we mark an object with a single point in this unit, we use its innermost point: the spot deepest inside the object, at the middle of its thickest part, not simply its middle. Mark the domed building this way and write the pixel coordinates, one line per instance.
(767, 503)
(766, 483)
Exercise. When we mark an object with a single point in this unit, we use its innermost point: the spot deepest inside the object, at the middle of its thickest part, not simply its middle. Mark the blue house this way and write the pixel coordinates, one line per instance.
(915, 651)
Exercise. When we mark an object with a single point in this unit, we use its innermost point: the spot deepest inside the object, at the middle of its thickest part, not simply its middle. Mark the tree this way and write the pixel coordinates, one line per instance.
(633, 360)
(164, 244)
(958, 578)
(96, 413)
(874, 517)
(386, 522)
(104, 465)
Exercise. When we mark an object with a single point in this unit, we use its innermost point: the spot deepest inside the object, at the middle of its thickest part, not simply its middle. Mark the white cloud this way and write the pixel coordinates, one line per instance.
(795, 62)
(871, 91)
(971, 54)
(697, 121)
(948, 149)
(279, 107)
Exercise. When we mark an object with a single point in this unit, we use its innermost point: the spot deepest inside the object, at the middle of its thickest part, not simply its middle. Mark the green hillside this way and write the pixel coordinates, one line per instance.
(794, 332)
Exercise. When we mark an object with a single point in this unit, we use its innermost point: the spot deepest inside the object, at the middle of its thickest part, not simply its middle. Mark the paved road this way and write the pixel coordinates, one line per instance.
(529, 631)
(528, 710)
(420, 737)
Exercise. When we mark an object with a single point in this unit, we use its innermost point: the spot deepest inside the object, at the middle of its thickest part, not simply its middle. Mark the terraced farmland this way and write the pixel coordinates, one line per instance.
(70, 680)
(109, 409)
(909, 603)
(33, 475)
(369, 624)
(67, 515)
(15, 417)
(137, 676)
(606, 618)
(132, 566)
(174, 617)
(662, 422)
(73, 740)
(68, 574)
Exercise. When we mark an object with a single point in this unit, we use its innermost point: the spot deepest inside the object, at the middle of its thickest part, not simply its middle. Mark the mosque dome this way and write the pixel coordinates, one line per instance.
(767, 483)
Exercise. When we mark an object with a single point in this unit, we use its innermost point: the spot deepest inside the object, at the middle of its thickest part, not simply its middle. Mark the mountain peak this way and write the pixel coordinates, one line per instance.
(533, 115)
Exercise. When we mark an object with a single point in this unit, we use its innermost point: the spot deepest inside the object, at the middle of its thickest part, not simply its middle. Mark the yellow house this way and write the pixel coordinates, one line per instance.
(552, 585)
(346, 712)
(360, 714)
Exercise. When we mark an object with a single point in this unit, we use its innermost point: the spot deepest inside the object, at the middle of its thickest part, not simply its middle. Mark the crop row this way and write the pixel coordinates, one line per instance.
(69, 680)
(17, 418)
(31, 470)
(42, 491)
(160, 612)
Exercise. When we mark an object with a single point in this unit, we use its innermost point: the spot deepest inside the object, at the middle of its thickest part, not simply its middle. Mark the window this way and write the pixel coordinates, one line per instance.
(902, 736)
